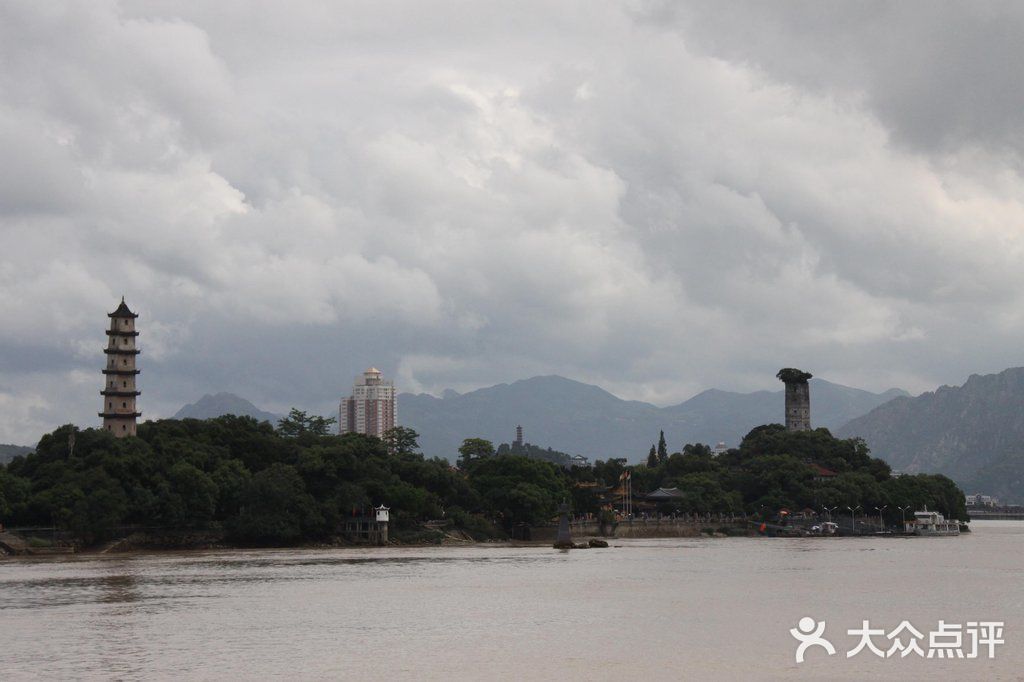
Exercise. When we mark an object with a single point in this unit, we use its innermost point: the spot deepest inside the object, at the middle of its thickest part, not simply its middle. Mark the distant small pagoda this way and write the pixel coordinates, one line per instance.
(119, 392)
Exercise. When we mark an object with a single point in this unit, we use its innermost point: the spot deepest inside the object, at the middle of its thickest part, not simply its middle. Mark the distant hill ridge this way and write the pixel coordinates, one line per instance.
(571, 416)
(973, 433)
(9, 452)
(210, 406)
(574, 417)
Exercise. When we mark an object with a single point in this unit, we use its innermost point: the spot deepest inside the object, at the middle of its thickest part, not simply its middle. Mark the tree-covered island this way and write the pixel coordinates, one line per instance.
(250, 483)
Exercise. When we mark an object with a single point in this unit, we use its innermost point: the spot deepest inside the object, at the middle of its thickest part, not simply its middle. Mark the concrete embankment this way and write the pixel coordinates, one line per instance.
(648, 528)
(12, 544)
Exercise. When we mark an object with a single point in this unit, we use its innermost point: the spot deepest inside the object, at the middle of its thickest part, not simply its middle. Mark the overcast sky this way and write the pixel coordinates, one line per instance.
(658, 198)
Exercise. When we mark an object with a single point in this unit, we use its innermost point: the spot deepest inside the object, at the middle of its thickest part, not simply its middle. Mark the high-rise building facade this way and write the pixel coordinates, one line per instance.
(371, 409)
(119, 392)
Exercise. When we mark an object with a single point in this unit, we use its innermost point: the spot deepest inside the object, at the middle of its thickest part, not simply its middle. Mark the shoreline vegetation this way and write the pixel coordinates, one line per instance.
(242, 483)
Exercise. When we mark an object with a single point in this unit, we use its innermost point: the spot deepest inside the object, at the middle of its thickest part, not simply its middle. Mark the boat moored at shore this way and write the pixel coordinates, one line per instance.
(932, 523)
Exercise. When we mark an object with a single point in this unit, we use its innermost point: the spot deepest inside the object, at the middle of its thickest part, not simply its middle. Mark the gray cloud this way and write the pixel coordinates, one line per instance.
(939, 77)
(657, 198)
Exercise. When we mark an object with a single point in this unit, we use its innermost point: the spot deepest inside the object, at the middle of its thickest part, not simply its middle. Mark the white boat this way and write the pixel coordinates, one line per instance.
(932, 523)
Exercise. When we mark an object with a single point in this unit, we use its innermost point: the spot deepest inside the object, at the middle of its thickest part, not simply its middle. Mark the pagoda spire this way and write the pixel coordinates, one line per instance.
(119, 391)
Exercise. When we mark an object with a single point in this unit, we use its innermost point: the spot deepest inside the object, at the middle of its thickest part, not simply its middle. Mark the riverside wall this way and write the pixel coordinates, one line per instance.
(649, 528)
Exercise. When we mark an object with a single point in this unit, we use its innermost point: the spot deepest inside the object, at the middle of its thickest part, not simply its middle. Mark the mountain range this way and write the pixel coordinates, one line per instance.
(972, 433)
(210, 406)
(579, 418)
(9, 452)
(583, 419)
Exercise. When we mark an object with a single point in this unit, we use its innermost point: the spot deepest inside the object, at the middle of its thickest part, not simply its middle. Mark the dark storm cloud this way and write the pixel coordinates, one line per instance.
(655, 197)
(940, 75)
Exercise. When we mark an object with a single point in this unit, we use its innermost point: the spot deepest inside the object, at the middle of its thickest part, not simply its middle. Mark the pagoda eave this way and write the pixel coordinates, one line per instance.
(121, 351)
(120, 332)
(121, 371)
(120, 415)
(121, 394)
(123, 311)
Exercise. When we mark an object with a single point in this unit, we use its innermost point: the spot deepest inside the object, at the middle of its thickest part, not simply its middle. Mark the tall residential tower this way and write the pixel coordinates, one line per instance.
(372, 409)
(119, 392)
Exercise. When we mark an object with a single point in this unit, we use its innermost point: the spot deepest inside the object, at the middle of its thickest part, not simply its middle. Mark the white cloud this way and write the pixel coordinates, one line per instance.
(468, 194)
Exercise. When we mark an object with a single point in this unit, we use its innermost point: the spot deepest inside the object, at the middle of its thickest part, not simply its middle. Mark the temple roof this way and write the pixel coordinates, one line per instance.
(822, 471)
(122, 311)
(666, 494)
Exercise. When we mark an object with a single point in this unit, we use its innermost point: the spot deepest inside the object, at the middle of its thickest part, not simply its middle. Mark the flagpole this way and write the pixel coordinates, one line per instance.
(622, 492)
(629, 494)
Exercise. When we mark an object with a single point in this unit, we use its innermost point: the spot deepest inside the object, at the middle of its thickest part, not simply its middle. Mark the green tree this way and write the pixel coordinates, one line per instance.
(584, 500)
(652, 459)
(792, 375)
(14, 494)
(298, 423)
(193, 499)
(401, 441)
(100, 507)
(703, 493)
(697, 449)
(644, 478)
(608, 471)
(277, 509)
(231, 478)
(269, 487)
(662, 447)
(474, 450)
(562, 459)
(518, 489)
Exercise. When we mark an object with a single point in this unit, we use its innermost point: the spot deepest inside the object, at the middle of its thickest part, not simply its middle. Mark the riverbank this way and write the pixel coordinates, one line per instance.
(652, 528)
(425, 536)
(12, 544)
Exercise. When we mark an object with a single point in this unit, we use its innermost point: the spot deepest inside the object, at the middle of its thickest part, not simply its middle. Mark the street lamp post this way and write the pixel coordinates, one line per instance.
(828, 511)
(903, 516)
(853, 518)
(881, 525)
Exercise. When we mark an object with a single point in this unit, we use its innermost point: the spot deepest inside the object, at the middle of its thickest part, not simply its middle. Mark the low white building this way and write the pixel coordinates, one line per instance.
(979, 500)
